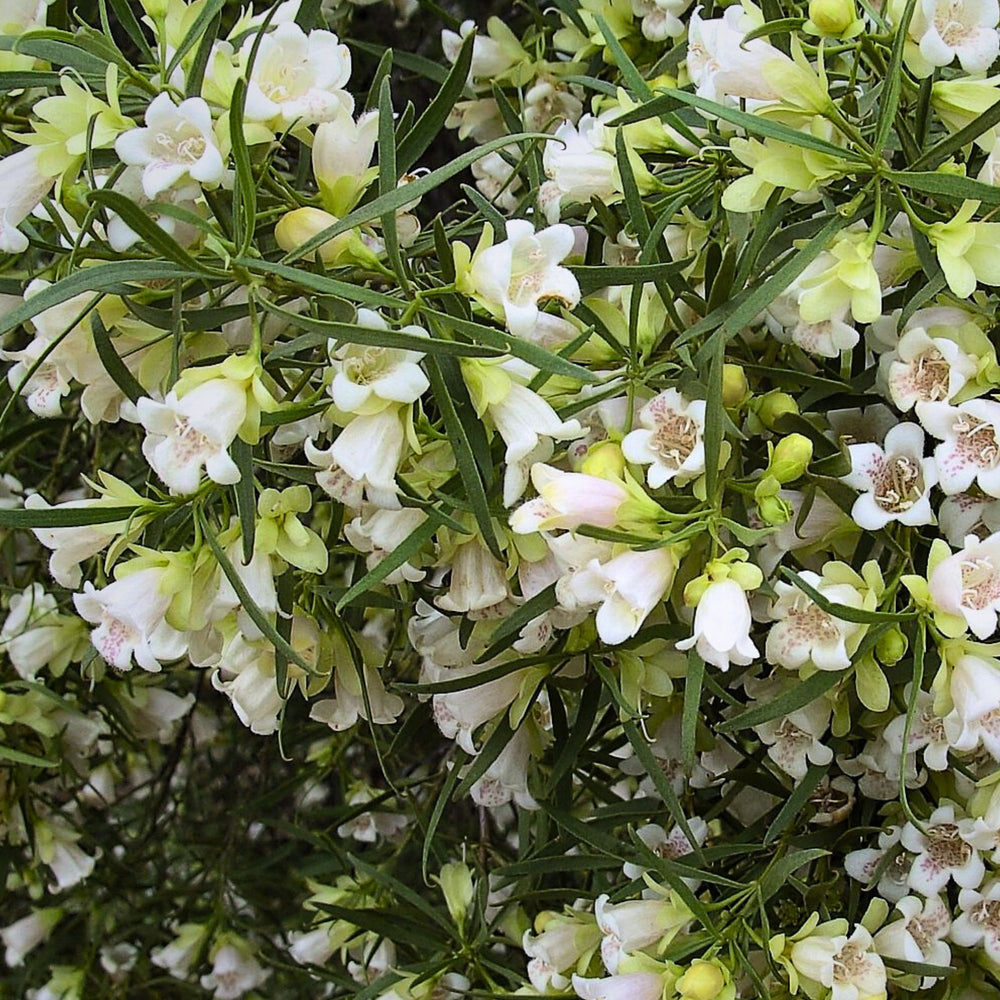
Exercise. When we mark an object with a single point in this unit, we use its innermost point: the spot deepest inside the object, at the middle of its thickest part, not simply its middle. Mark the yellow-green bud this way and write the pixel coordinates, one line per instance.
(891, 646)
(302, 224)
(695, 590)
(734, 385)
(703, 981)
(951, 168)
(773, 510)
(456, 884)
(156, 9)
(775, 405)
(791, 458)
(605, 460)
(832, 17)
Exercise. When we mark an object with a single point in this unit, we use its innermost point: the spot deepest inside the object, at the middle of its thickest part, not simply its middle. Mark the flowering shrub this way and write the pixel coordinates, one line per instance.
(511, 511)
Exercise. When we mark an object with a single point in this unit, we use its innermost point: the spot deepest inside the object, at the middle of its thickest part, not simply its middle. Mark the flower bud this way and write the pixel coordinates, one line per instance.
(734, 385)
(702, 981)
(156, 9)
(772, 509)
(604, 459)
(456, 884)
(790, 458)
(832, 17)
(775, 405)
(891, 646)
(302, 224)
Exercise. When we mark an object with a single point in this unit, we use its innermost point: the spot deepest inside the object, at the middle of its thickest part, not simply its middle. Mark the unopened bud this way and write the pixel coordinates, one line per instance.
(703, 981)
(832, 17)
(734, 385)
(791, 458)
(891, 646)
(302, 224)
(604, 459)
(456, 884)
(774, 406)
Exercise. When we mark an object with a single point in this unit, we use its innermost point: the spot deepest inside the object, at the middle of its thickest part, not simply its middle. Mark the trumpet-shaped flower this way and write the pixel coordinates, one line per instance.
(847, 966)
(22, 187)
(975, 693)
(177, 143)
(670, 440)
(919, 936)
(298, 77)
(567, 500)
(722, 626)
(578, 168)
(948, 29)
(895, 480)
(978, 925)
(970, 444)
(967, 584)
(966, 250)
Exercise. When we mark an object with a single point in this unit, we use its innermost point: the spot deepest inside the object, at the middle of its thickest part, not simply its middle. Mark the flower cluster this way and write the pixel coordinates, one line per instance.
(511, 511)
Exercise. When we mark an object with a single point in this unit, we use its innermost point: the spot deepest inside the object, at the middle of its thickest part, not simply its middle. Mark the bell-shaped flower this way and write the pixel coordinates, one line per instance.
(368, 379)
(177, 143)
(341, 158)
(948, 29)
(974, 687)
(56, 846)
(671, 439)
(560, 942)
(895, 480)
(298, 77)
(188, 435)
(22, 187)
(925, 369)
(637, 924)
(625, 590)
(722, 625)
(36, 635)
(568, 499)
(978, 925)
(506, 779)
(927, 732)
(627, 986)
(966, 250)
(130, 615)
(379, 532)
(28, 933)
(970, 444)
(349, 704)
(578, 168)
(478, 580)
(516, 277)
(844, 278)
(235, 970)
(661, 18)
(495, 52)
(847, 966)
(803, 633)
(459, 714)
(966, 585)
(368, 451)
(945, 851)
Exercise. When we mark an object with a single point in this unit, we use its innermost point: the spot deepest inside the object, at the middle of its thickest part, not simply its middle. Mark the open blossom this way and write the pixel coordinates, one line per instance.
(368, 450)
(967, 584)
(523, 272)
(970, 444)
(670, 440)
(847, 966)
(235, 971)
(920, 935)
(896, 479)
(863, 865)
(722, 626)
(626, 589)
(22, 187)
(925, 369)
(177, 143)
(298, 77)
(975, 693)
(130, 618)
(560, 941)
(794, 741)
(978, 925)
(948, 29)
(636, 924)
(928, 732)
(945, 852)
(578, 167)
(804, 633)
(368, 379)
(568, 499)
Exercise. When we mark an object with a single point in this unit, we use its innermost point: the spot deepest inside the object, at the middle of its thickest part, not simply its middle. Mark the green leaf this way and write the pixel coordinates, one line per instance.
(633, 78)
(946, 185)
(889, 101)
(112, 362)
(791, 701)
(56, 47)
(691, 710)
(795, 802)
(68, 517)
(427, 127)
(246, 496)
(244, 187)
(778, 874)
(940, 151)
(859, 616)
(594, 278)
(450, 781)
(302, 279)
(20, 757)
(195, 34)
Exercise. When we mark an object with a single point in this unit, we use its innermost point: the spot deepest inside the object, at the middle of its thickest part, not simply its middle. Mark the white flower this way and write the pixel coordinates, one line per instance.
(794, 741)
(234, 972)
(298, 77)
(630, 986)
(946, 852)
(178, 956)
(558, 947)
(56, 846)
(506, 779)
(845, 965)
(967, 584)
(661, 18)
(827, 338)
(35, 634)
(121, 236)
(979, 922)
(804, 633)
(186, 435)
(722, 626)
(577, 168)
(523, 272)
(670, 440)
(478, 580)
(368, 379)
(130, 618)
(970, 444)
(22, 187)
(177, 143)
(494, 52)
(928, 732)
(378, 532)
(925, 369)
(975, 694)
(963, 514)
(459, 714)
(28, 933)
(567, 500)
(671, 846)
(946, 29)
(919, 936)
(636, 924)
(369, 450)
(341, 157)
(721, 65)
(862, 865)
(348, 704)
(626, 588)
(896, 480)
(369, 826)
